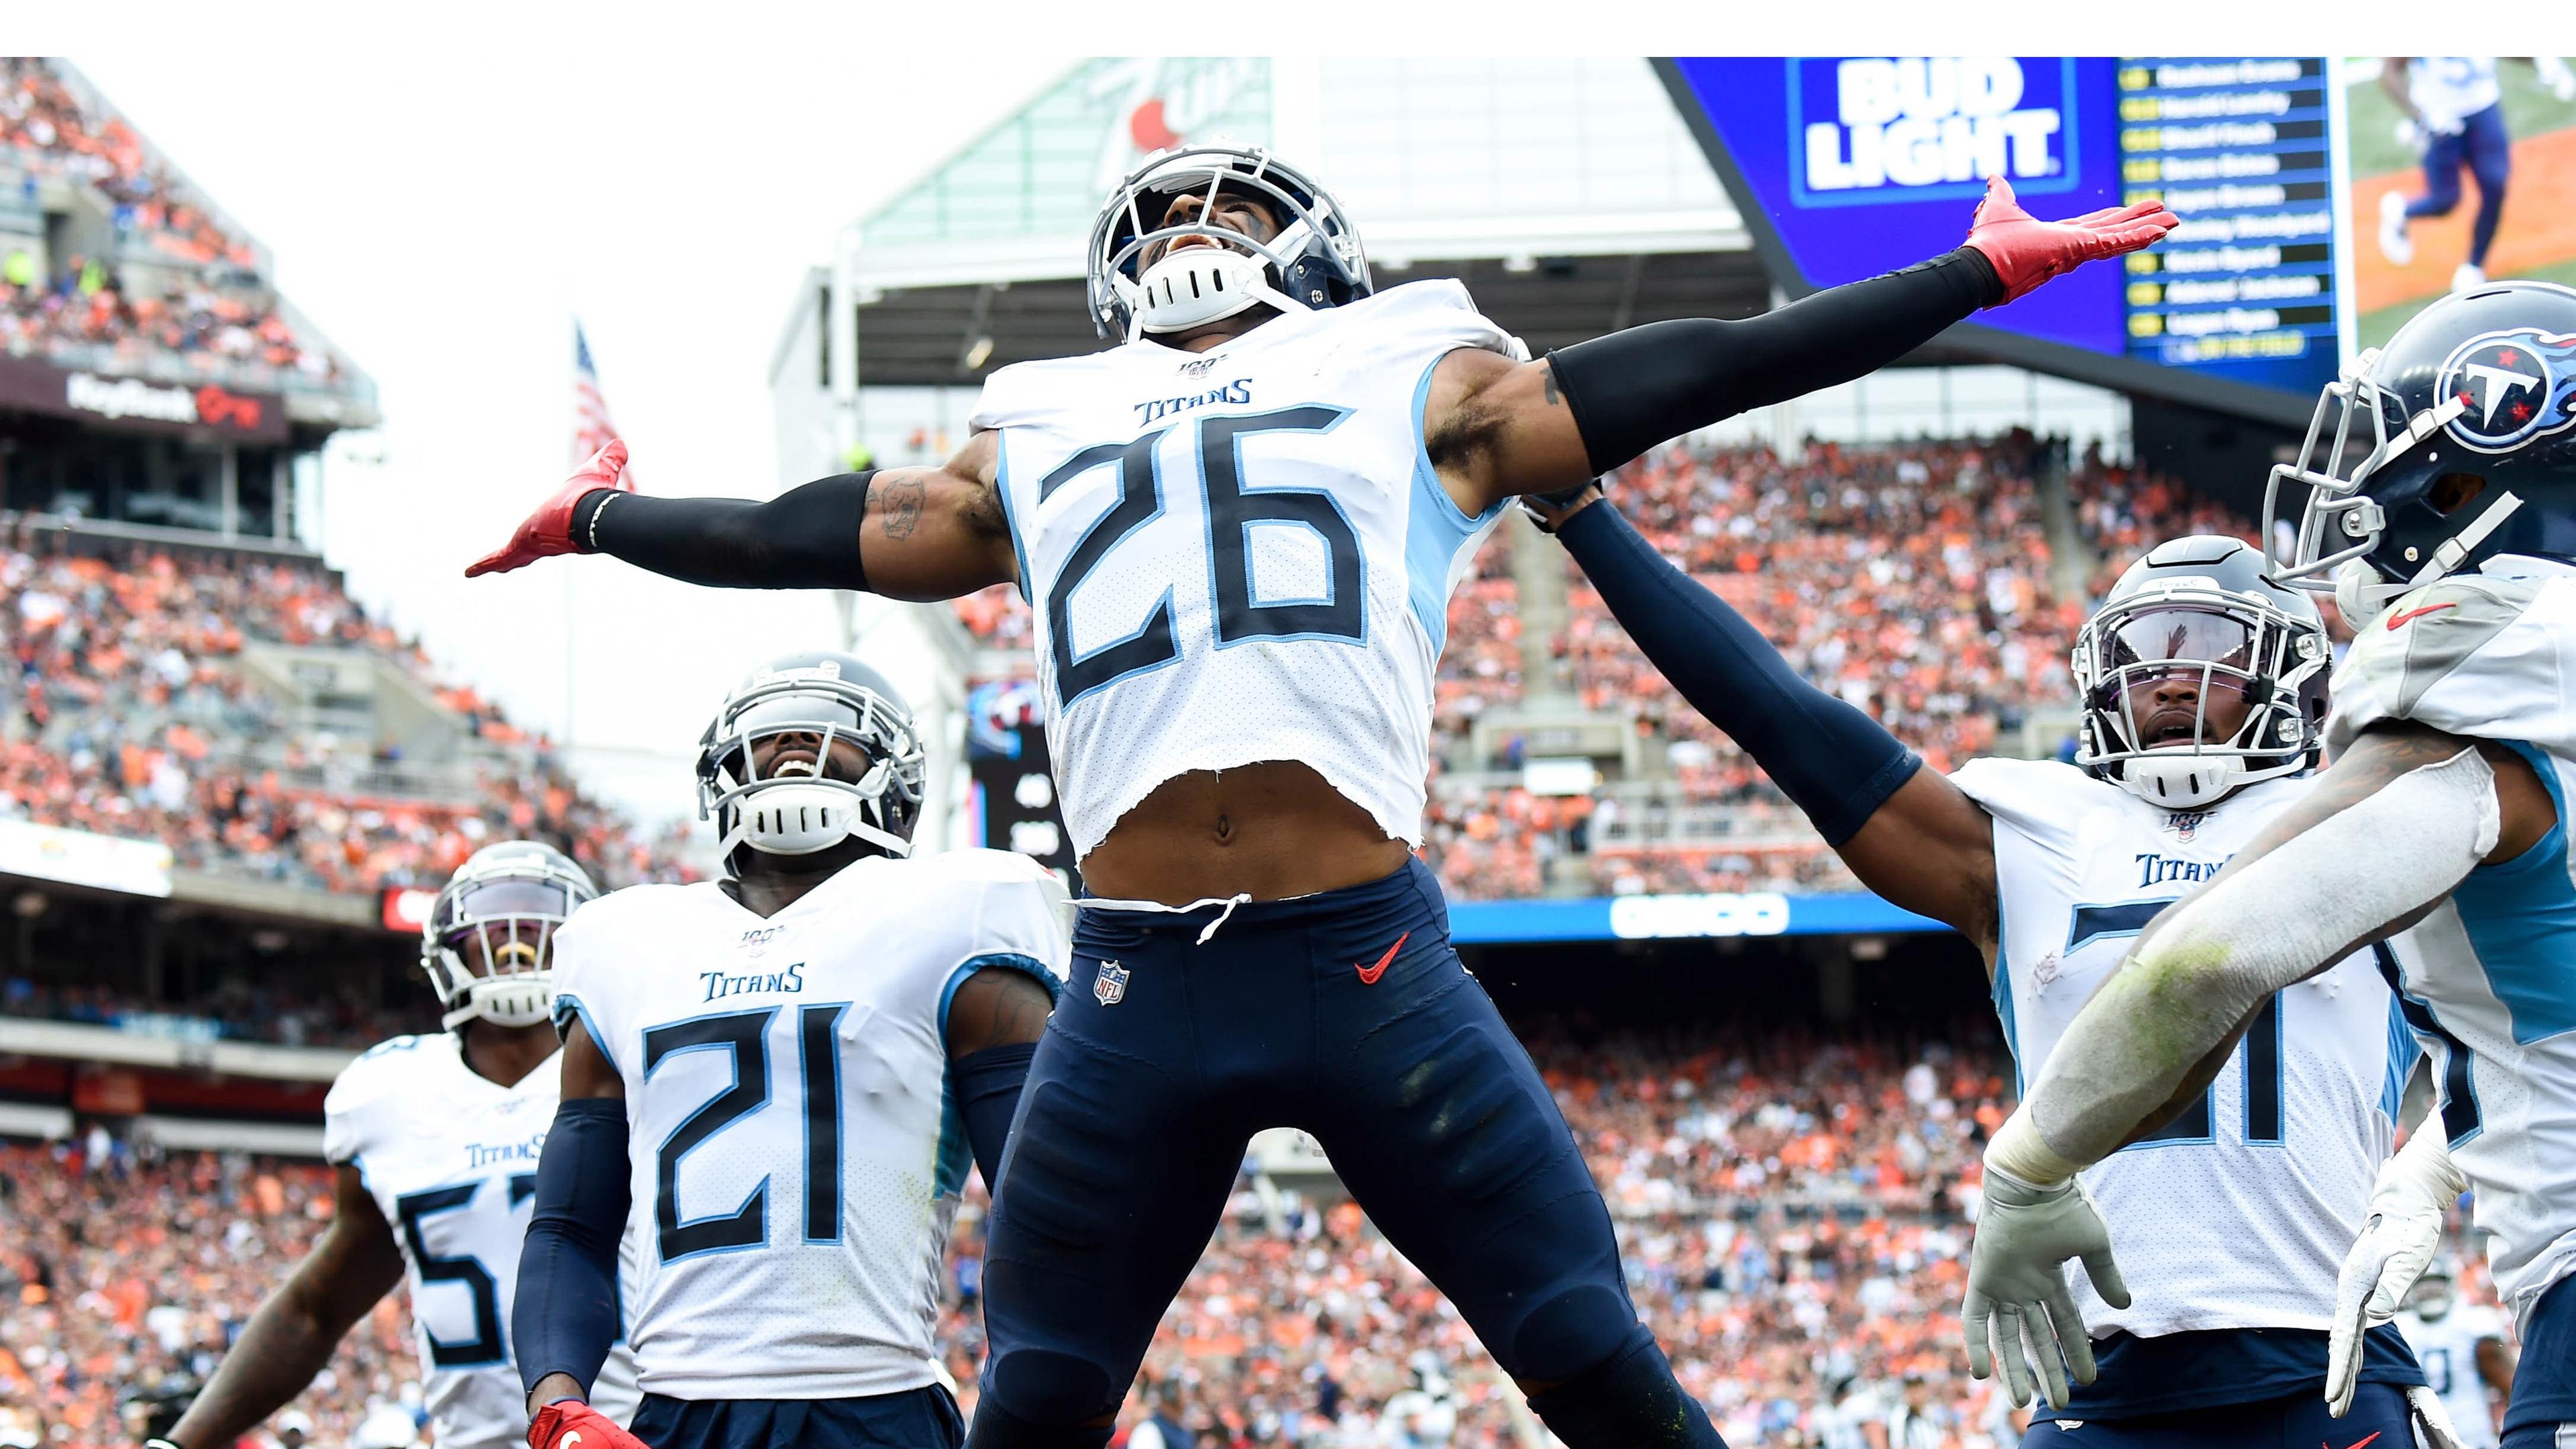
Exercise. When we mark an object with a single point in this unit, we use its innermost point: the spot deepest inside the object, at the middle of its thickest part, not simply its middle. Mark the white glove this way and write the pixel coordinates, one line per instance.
(2398, 1237)
(2410, 135)
(2017, 1284)
(2442, 123)
(2554, 74)
(2432, 1422)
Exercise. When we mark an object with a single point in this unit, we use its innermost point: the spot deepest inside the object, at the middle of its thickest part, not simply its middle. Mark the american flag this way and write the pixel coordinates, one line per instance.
(591, 429)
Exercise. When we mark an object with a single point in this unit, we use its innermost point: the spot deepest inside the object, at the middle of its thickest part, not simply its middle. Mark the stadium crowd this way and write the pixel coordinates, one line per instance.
(210, 312)
(1914, 579)
(129, 720)
(1791, 1208)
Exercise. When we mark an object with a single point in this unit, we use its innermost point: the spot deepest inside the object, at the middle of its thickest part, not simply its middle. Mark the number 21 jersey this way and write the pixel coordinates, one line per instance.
(1241, 554)
(795, 1151)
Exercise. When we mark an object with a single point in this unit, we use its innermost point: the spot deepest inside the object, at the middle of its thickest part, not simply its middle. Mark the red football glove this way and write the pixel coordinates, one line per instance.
(2026, 251)
(573, 1424)
(548, 531)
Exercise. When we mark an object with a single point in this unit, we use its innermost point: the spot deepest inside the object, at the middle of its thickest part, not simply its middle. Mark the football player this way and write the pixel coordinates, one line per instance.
(2203, 687)
(2464, 1353)
(2440, 508)
(1238, 532)
(783, 1073)
(436, 1141)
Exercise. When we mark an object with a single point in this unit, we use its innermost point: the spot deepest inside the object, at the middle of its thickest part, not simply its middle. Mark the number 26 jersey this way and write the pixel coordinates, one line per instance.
(1241, 554)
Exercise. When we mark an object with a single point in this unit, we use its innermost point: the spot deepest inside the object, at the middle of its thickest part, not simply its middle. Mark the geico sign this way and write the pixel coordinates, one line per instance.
(1760, 913)
(1928, 121)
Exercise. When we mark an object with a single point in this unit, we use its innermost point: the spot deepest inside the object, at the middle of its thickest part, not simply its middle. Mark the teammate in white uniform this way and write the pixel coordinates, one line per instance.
(2464, 1351)
(1238, 530)
(436, 1141)
(2439, 509)
(794, 1065)
(2454, 105)
(2204, 699)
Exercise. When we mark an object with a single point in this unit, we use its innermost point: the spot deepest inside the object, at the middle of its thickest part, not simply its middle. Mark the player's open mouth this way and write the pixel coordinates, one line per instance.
(2172, 727)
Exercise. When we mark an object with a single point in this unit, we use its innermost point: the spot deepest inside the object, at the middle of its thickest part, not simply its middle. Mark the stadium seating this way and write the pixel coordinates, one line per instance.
(132, 719)
(171, 289)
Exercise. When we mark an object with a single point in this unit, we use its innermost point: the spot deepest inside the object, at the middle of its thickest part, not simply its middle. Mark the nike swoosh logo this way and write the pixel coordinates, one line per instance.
(2393, 621)
(1370, 974)
(574, 1437)
(2375, 1434)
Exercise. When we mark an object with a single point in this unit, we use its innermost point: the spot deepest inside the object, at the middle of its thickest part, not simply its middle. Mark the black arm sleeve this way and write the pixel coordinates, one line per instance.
(1837, 763)
(805, 538)
(1639, 387)
(565, 1315)
(988, 1095)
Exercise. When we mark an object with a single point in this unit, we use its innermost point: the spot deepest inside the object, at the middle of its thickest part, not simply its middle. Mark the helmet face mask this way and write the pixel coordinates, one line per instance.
(2252, 658)
(2455, 442)
(510, 898)
(1142, 282)
(767, 764)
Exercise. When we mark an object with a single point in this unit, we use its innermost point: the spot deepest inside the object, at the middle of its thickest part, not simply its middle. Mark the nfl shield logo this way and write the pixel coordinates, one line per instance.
(2185, 823)
(1111, 986)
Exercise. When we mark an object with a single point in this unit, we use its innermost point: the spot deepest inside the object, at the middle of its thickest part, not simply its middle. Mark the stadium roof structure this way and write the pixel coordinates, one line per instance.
(1568, 193)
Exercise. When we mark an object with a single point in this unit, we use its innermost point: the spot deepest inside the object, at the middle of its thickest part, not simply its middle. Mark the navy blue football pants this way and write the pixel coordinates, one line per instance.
(1346, 1014)
(2485, 149)
(2542, 1412)
(923, 1418)
(2379, 1419)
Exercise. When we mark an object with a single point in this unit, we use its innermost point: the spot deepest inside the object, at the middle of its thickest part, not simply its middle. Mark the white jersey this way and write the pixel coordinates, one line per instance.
(2493, 989)
(797, 1152)
(1241, 554)
(2238, 1213)
(451, 1159)
(2453, 86)
(2447, 1347)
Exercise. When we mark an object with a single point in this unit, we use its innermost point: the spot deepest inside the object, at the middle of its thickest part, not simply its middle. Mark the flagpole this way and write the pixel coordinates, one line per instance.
(570, 612)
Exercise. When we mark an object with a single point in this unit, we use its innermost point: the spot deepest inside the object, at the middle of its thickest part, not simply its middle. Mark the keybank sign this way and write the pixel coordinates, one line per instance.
(1868, 130)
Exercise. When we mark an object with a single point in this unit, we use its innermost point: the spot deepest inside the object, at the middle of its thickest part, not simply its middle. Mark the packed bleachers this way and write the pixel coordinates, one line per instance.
(1792, 1209)
(129, 720)
(206, 312)
(1917, 580)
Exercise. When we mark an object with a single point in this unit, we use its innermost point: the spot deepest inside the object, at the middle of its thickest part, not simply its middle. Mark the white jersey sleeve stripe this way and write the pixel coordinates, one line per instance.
(1438, 534)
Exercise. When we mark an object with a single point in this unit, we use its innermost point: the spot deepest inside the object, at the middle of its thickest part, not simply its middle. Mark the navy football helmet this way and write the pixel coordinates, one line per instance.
(515, 895)
(2454, 443)
(801, 807)
(1315, 260)
(2200, 612)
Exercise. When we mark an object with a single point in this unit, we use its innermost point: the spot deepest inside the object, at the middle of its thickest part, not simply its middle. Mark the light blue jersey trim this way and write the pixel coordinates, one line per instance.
(1010, 518)
(1435, 529)
(956, 1155)
(2002, 988)
(568, 1003)
(2520, 917)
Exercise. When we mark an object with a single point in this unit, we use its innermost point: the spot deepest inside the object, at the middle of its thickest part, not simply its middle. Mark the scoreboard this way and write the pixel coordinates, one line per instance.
(2242, 151)
(1847, 166)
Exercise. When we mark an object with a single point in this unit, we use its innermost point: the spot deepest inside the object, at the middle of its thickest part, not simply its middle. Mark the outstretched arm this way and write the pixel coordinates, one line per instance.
(292, 1335)
(905, 533)
(1907, 832)
(1495, 428)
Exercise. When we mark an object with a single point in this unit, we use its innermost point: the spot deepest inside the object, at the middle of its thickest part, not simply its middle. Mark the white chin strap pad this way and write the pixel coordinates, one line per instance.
(1198, 285)
(524, 998)
(2181, 779)
(790, 819)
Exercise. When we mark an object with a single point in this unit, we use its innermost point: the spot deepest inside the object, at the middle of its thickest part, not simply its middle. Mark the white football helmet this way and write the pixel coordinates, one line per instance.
(801, 809)
(1315, 261)
(515, 895)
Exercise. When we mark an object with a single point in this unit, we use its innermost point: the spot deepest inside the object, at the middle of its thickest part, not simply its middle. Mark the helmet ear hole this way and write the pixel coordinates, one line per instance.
(2454, 491)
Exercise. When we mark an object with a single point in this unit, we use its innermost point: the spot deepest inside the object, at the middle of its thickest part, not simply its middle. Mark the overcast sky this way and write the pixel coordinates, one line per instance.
(444, 219)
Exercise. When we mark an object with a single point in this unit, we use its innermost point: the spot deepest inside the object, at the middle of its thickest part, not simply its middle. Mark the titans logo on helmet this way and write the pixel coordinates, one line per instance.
(2514, 386)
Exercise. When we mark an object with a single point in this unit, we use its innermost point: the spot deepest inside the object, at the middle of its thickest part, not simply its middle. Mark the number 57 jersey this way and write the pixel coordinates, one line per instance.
(795, 1151)
(1241, 554)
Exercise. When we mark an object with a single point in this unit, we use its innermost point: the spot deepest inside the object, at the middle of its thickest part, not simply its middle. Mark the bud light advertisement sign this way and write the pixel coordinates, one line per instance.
(1871, 130)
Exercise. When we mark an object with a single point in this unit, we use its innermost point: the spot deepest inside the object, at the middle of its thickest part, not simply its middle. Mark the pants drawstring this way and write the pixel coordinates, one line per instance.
(1094, 903)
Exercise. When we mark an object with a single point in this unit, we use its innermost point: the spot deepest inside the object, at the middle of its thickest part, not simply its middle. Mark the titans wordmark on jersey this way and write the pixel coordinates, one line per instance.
(2493, 990)
(796, 1152)
(1241, 554)
(451, 1159)
(2238, 1213)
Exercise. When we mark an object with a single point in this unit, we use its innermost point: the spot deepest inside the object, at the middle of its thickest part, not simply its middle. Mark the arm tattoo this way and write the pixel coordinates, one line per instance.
(1547, 385)
(900, 506)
